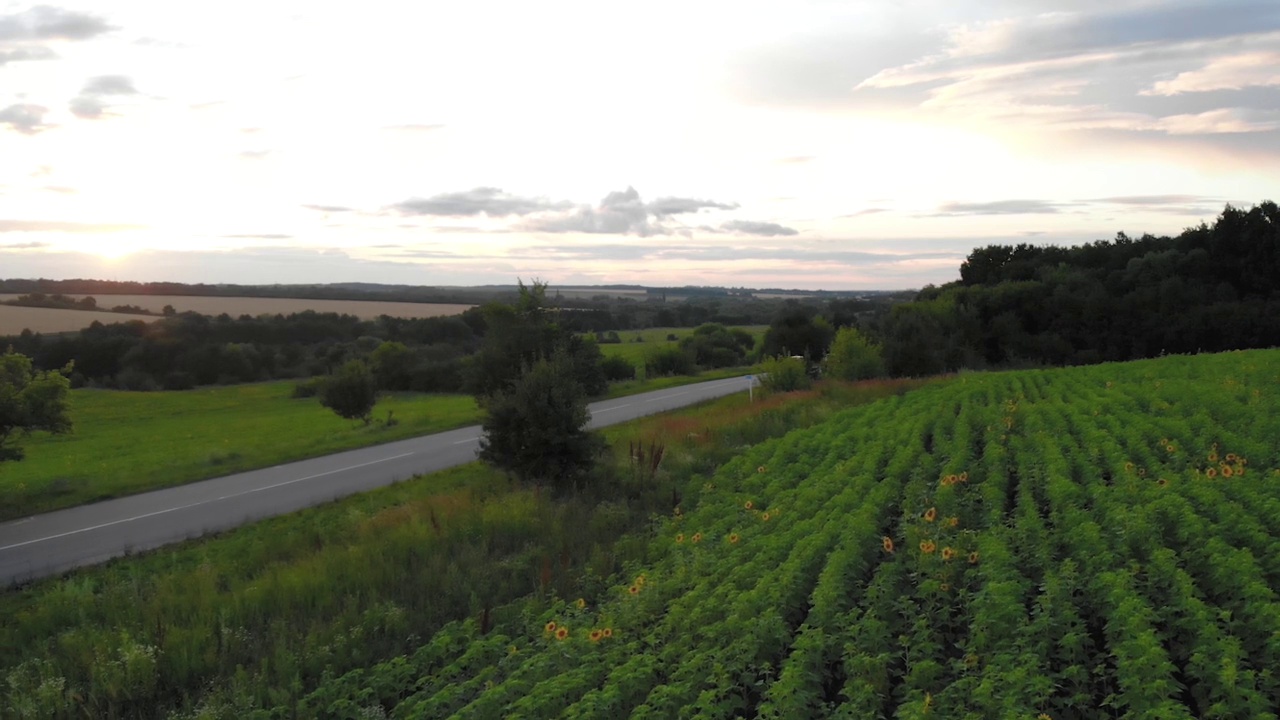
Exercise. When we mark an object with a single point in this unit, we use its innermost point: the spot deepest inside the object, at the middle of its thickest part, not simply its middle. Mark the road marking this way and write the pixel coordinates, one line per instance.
(463, 442)
(202, 502)
(664, 397)
(615, 407)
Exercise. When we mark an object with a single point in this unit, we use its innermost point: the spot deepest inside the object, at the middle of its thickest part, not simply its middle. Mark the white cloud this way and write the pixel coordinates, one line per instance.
(1233, 72)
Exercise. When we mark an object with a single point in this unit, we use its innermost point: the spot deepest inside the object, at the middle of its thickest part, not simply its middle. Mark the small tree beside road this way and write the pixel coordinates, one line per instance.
(351, 393)
(537, 429)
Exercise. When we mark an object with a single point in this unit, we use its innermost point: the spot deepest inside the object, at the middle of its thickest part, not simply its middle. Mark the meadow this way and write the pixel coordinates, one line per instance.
(1089, 542)
(265, 614)
(128, 442)
(653, 339)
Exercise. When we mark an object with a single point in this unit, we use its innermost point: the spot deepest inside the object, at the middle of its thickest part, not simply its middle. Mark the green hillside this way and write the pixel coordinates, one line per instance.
(1100, 541)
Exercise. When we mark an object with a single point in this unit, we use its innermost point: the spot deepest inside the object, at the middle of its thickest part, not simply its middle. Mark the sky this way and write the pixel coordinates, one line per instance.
(809, 144)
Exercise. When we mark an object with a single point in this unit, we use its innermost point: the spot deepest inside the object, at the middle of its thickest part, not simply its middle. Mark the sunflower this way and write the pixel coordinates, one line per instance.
(764, 517)
(973, 558)
(1128, 467)
(1142, 472)
(697, 537)
(640, 579)
(748, 505)
(607, 632)
(945, 587)
(948, 553)
(679, 537)
(964, 476)
(953, 522)
(595, 635)
(1213, 456)
(1162, 482)
(887, 544)
(1170, 448)
(1231, 457)
(562, 632)
(1239, 470)
(927, 547)
(634, 590)
(550, 627)
(760, 469)
(1211, 473)
(931, 514)
(952, 479)
(733, 538)
(582, 603)
(1227, 471)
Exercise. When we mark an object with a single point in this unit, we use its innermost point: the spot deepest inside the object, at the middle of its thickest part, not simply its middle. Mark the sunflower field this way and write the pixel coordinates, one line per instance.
(1078, 543)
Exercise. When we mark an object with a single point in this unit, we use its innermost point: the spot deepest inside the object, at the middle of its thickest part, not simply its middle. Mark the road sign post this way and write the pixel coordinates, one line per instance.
(751, 384)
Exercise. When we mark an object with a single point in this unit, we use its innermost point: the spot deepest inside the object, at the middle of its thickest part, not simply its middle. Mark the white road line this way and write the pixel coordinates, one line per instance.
(615, 407)
(202, 502)
(463, 442)
(664, 397)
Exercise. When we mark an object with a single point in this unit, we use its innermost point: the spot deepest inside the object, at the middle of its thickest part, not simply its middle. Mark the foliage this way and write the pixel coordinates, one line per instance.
(853, 356)
(616, 369)
(669, 361)
(29, 402)
(351, 393)
(392, 365)
(715, 346)
(537, 429)
(784, 374)
(1206, 290)
(307, 612)
(1058, 544)
(798, 330)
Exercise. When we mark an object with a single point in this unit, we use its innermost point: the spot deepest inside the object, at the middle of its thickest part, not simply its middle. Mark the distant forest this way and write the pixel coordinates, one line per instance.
(1211, 288)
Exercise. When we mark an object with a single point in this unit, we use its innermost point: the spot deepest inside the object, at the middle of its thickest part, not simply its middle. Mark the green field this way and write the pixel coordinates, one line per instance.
(653, 339)
(1078, 543)
(128, 442)
(259, 615)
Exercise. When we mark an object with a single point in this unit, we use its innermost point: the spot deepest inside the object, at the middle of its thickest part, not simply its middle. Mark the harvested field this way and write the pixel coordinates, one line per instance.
(13, 320)
(237, 306)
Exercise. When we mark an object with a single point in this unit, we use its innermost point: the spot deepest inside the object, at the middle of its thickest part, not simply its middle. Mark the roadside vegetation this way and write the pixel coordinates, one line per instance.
(261, 615)
(1069, 543)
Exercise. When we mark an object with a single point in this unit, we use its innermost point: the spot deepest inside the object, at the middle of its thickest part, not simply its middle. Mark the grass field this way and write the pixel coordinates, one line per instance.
(260, 615)
(652, 339)
(127, 442)
(1077, 543)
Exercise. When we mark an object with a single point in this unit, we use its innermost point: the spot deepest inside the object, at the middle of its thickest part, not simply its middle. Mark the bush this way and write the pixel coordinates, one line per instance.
(784, 374)
(306, 389)
(617, 369)
(853, 357)
(179, 380)
(352, 393)
(669, 361)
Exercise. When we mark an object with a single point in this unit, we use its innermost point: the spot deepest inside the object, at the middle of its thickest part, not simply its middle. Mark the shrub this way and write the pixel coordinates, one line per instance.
(784, 374)
(617, 369)
(853, 357)
(669, 361)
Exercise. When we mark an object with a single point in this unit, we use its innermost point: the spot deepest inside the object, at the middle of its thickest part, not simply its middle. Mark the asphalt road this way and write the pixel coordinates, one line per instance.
(48, 544)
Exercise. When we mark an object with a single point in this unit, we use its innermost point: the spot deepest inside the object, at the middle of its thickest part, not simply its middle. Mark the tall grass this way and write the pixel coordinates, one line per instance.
(259, 615)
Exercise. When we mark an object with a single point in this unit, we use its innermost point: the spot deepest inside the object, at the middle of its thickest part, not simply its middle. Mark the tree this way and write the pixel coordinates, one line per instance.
(392, 365)
(853, 356)
(536, 429)
(798, 330)
(30, 401)
(351, 393)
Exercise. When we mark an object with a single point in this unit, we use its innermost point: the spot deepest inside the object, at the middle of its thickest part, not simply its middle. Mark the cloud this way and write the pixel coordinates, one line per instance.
(1232, 72)
(20, 54)
(1225, 120)
(62, 226)
(1151, 199)
(867, 211)
(44, 22)
(329, 208)
(796, 160)
(489, 201)
(29, 245)
(999, 207)
(261, 236)
(624, 213)
(675, 206)
(90, 103)
(254, 154)
(766, 229)
(25, 118)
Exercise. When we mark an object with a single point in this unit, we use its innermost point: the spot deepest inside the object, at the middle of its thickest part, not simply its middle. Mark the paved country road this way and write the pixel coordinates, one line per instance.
(47, 544)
